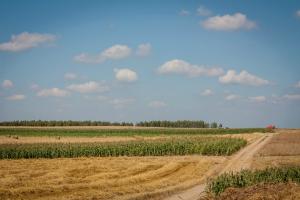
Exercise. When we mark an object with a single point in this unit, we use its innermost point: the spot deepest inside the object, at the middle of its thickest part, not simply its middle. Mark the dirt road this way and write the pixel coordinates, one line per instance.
(239, 161)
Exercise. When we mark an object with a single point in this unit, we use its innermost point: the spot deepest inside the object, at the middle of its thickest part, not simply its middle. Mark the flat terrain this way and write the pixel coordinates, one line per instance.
(101, 178)
(282, 150)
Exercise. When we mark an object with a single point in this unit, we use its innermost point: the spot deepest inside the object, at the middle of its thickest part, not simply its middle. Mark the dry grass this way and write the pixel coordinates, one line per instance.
(101, 178)
(279, 191)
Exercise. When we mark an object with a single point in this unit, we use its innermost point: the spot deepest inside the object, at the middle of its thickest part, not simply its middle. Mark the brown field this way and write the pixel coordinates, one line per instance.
(279, 191)
(287, 143)
(282, 150)
(101, 178)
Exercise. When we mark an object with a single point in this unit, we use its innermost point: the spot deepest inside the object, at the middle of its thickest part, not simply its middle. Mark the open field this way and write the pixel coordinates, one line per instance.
(281, 152)
(125, 131)
(101, 178)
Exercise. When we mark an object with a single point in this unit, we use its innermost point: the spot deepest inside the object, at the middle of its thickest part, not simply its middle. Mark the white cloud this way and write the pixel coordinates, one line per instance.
(258, 99)
(16, 97)
(143, 49)
(121, 102)
(292, 96)
(157, 104)
(298, 13)
(184, 68)
(184, 13)
(297, 85)
(203, 11)
(70, 76)
(207, 92)
(244, 78)
(116, 52)
(7, 84)
(232, 97)
(56, 92)
(89, 87)
(125, 75)
(26, 41)
(228, 23)
(112, 53)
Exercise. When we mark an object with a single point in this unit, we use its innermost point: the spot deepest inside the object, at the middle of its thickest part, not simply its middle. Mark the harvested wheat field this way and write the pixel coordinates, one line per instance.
(101, 178)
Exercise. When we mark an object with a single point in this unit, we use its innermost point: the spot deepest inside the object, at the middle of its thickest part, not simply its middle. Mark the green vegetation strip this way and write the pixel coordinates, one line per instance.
(183, 146)
(122, 132)
(248, 178)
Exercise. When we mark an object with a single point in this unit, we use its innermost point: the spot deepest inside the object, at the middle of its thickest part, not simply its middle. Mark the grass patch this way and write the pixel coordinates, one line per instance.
(181, 146)
(247, 178)
(122, 132)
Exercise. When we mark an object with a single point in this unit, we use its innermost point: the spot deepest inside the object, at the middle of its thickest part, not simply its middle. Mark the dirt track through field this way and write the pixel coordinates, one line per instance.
(239, 161)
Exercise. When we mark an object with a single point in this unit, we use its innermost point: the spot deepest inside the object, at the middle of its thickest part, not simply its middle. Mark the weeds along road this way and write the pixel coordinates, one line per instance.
(241, 160)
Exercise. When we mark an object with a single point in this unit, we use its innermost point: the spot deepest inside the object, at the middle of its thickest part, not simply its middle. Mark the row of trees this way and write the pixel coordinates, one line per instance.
(180, 124)
(63, 123)
(165, 123)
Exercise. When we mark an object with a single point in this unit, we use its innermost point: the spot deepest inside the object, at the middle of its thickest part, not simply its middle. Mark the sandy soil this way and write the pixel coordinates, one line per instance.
(101, 178)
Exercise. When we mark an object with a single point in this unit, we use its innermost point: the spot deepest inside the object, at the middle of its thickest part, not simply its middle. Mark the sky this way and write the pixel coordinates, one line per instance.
(233, 62)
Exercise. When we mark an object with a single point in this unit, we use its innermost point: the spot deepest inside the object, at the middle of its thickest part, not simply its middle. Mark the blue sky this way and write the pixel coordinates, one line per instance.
(234, 62)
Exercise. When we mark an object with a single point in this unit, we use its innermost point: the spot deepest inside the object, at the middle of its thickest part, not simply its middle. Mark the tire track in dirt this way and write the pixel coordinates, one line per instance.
(239, 161)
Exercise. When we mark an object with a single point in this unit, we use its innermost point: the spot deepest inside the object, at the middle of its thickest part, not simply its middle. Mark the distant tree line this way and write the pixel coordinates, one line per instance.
(163, 123)
(63, 123)
(179, 124)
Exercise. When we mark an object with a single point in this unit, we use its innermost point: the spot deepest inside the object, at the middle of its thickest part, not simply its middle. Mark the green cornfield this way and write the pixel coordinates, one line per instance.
(179, 146)
(123, 132)
(248, 178)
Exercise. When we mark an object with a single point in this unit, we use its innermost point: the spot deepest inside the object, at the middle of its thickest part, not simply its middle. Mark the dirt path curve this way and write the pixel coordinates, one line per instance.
(239, 161)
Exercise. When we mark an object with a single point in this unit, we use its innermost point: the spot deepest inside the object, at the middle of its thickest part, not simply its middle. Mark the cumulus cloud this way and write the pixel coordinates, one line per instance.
(16, 97)
(7, 84)
(26, 41)
(70, 76)
(89, 87)
(298, 13)
(297, 85)
(232, 97)
(112, 53)
(292, 96)
(184, 13)
(244, 78)
(228, 23)
(184, 68)
(157, 104)
(125, 75)
(258, 99)
(203, 11)
(207, 92)
(55, 92)
(143, 49)
(121, 102)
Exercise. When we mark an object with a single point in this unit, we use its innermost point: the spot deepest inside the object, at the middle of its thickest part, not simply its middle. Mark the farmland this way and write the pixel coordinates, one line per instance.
(116, 131)
(130, 162)
(184, 146)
